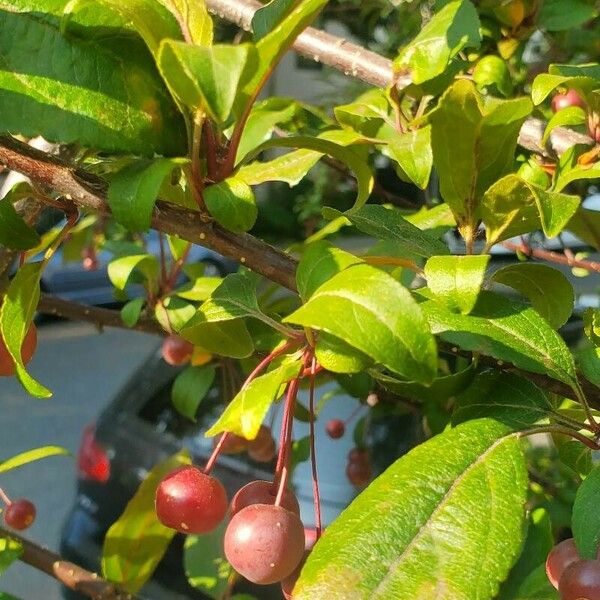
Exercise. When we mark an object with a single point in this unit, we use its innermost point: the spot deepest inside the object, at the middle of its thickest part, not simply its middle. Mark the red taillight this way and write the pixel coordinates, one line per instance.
(92, 460)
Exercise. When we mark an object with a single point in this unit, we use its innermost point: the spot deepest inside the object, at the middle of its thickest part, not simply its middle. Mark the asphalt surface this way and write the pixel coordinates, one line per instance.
(84, 369)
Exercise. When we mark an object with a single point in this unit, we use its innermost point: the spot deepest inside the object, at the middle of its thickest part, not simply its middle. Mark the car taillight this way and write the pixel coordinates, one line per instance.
(92, 460)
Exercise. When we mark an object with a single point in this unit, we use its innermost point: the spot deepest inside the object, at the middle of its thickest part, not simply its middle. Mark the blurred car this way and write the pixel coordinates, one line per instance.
(140, 428)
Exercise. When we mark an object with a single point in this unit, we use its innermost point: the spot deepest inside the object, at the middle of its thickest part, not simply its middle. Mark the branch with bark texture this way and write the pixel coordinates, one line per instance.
(372, 68)
(69, 574)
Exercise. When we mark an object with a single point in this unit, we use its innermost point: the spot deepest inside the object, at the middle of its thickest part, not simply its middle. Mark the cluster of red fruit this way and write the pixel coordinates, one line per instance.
(264, 540)
(573, 577)
(7, 365)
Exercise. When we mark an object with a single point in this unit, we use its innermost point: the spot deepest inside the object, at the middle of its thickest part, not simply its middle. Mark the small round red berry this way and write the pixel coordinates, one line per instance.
(580, 581)
(7, 365)
(176, 351)
(190, 501)
(570, 98)
(261, 492)
(20, 514)
(559, 558)
(335, 428)
(358, 455)
(264, 543)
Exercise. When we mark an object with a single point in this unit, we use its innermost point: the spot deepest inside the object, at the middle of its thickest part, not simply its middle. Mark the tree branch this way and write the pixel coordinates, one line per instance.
(554, 257)
(89, 192)
(358, 62)
(69, 574)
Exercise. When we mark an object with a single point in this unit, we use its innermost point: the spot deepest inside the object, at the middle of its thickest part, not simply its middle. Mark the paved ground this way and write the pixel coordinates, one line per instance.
(84, 369)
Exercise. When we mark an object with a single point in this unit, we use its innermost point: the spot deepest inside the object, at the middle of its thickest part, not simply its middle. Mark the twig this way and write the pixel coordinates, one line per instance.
(553, 257)
(71, 575)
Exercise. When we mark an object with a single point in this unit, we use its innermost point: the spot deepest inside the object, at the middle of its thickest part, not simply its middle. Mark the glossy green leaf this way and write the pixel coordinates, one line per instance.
(131, 311)
(513, 206)
(232, 204)
(66, 101)
(319, 263)
(585, 224)
(193, 19)
(224, 338)
(454, 503)
(536, 586)
(562, 15)
(190, 388)
(576, 456)
(454, 28)
(581, 77)
(548, 289)
(205, 77)
(571, 116)
(16, 316)
(134, 190)
(412, 152)
(32, 455)
(508, 331)
(369, 310)
(492, 73)
(473, 144)
(14, 232)
(137, 541)
(538, 543)
(346, 154)
(569, 169)
(367, 114)
(246, 412)
(337, 356)
(174, 313)
(120, 270)
(456, 280)
(505, 397)
(586, 518)
(10, 551)
(390, 224)
(267, 17)
(200, 289)
(204, 561)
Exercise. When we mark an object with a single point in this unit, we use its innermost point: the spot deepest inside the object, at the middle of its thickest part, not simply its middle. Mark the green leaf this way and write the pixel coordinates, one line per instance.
(583, 78)
(137, 541)
(368, 115)
(513, 206)
(574, 455)
(534, 281)
(319, 263)
(206, 567)
(14, 232)
(505, 397)
(130, 313)
(454, 503)
(232, 204)
(65, 100)
(204, 77)
(193, 18)
(454, 28)
(267, 17)
(16, 316)
(389, 224)
(32, 455)
(412, 152)
(120, 270)
(246, 412)
(562, 15)
(174, 313)
(225, 338)
(586, 518)
(336, 356)
(456, 280)
(369, 310)
(10, 551)
(585, 224)
(348, 155)
(190, 388)
(538, 543)
(508, 331)
(134, 190)
(493, 73)
(536, 586)
(473, 144)
(571, 116)
(200, 289)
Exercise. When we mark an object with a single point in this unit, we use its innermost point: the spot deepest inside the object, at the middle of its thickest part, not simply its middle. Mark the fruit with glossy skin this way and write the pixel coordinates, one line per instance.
(176, 351)
(261, 492)
(580, 581)
(7, 365)
(570, 98)
(335, 428)
(559, 558)
(264, 543)
(190, 501)
(262, 447)
(20, 514)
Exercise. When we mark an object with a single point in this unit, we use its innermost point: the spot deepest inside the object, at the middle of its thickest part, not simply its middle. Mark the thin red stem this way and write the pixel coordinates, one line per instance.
(210, 463)
(212, 164)
(176, 269)
(313, 453)
(163, 259)
(5, 498)
(353, 415)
